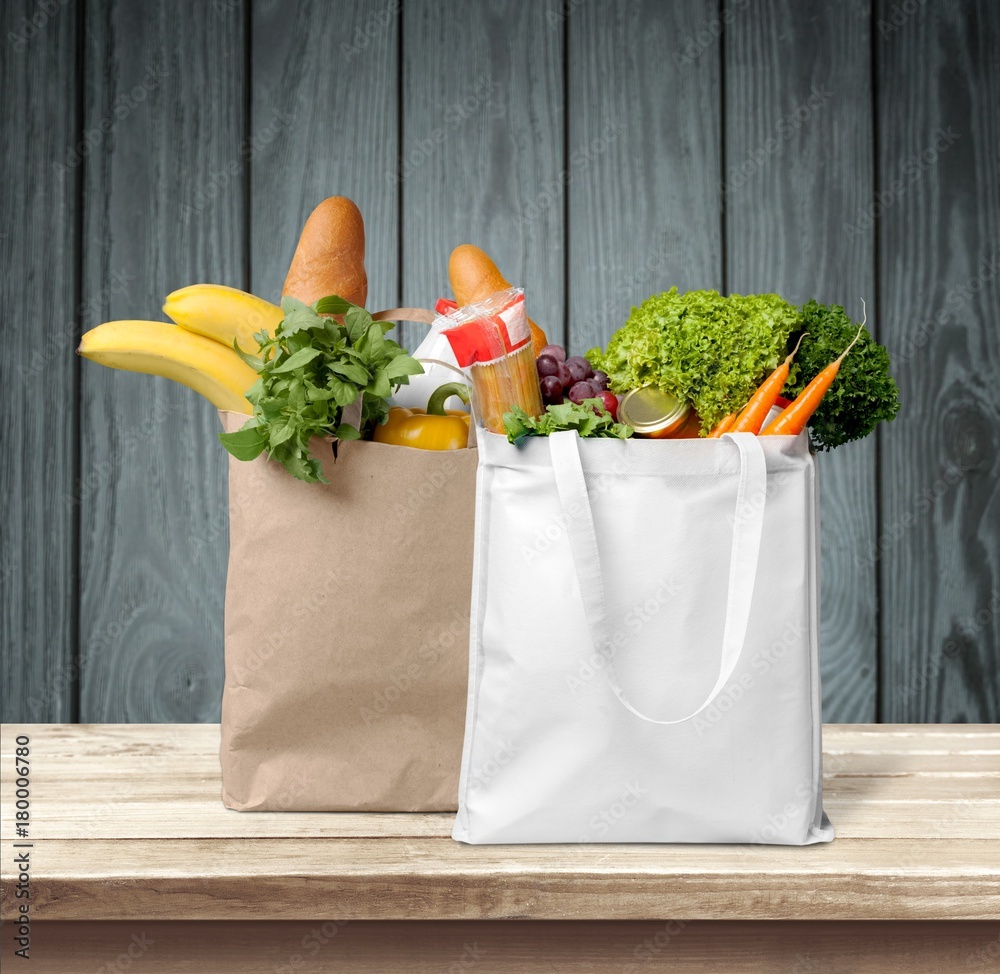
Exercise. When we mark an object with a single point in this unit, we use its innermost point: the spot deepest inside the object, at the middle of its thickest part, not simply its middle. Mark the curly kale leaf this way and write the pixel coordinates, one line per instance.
(863, 395)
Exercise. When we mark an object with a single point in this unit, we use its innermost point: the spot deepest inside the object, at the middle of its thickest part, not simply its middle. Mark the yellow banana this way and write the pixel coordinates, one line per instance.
(158, 348)
(223, 313)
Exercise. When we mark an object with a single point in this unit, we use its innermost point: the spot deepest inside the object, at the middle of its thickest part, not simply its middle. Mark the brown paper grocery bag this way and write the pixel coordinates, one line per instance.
(347, 628)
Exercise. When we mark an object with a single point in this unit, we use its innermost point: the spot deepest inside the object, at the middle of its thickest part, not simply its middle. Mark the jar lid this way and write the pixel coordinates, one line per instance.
(651, 410)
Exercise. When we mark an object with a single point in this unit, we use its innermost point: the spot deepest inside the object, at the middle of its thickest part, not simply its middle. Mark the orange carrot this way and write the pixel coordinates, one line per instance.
(755, 412)
(722, 426)
(793, 418)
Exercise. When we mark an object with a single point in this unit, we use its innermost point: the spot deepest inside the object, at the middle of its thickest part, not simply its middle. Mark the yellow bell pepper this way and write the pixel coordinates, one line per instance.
(433, 428)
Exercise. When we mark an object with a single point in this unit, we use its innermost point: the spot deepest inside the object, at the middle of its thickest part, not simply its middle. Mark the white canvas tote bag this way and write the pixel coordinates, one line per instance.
(643, 653)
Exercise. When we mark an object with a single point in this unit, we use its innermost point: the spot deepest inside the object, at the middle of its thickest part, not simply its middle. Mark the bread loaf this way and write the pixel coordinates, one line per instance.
(330, 257)
(474, 276)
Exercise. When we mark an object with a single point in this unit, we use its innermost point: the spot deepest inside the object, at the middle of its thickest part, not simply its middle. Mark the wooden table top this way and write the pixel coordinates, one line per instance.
(126, 822)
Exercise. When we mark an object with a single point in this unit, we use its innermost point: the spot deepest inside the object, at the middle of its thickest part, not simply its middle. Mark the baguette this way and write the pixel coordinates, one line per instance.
(474, 277)
(330, 257)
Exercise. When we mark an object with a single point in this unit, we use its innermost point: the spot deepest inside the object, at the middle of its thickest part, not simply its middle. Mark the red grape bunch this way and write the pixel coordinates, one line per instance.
(572, 378)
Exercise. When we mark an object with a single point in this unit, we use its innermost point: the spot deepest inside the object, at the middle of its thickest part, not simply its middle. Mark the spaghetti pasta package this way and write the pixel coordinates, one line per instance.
(492, 342)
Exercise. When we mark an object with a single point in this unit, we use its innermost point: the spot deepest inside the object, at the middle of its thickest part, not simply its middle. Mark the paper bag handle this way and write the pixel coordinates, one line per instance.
(420, 315)
(747, 527)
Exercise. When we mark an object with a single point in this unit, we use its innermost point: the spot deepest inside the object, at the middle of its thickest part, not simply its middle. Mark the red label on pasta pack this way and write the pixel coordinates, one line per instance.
(515, 323)
(492, 337)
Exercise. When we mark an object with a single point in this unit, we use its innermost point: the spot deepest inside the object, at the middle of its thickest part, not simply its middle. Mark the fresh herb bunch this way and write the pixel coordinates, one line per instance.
(863, 395)
(588, 418)
(310, 371)
(707, 350)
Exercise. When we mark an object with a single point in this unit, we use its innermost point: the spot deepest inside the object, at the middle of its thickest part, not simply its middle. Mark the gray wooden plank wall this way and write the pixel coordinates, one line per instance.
(798, 166)
(600, 151)
(40, 278)
(150, 577)
(939, 279)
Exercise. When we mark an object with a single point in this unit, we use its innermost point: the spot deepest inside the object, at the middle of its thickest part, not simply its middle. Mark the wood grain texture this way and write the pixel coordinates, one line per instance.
(132, 827)
(482, 148)
(515, 947)
(898, 783)
(38, 278)
(324, 121)
(164, 209)
(939, 546)
(644, 158)
(439, 879)
(798, 167)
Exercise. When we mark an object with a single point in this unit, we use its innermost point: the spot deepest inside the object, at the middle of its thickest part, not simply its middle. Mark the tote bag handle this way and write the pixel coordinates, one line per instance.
(749, 520)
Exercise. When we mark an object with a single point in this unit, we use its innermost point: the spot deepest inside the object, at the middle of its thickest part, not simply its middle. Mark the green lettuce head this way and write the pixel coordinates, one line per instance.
(707, 350)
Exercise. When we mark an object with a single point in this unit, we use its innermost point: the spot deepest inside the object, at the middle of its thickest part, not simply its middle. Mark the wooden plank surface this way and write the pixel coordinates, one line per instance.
(38, 281)
(325, 123)
(482, 148)
(878, 784)
(887, 809)
(798, 166)
(644, 157)
(435, 878)
(684, 947)
(127, 822)
(164, 209)
(939, 546)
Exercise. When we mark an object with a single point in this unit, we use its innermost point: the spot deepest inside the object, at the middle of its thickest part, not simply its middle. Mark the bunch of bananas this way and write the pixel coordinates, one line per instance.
(197, 350)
